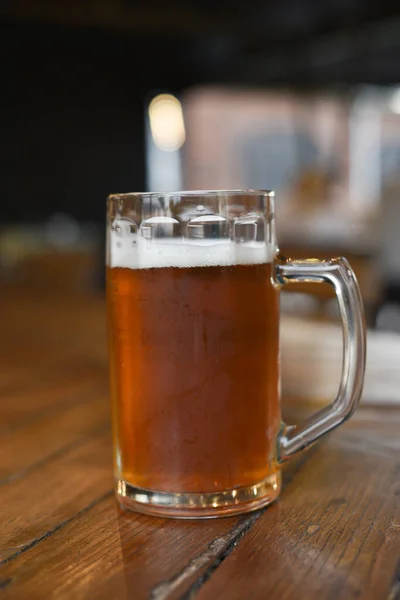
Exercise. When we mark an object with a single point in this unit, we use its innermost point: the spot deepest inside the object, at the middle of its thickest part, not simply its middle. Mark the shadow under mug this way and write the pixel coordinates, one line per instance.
(193, 283)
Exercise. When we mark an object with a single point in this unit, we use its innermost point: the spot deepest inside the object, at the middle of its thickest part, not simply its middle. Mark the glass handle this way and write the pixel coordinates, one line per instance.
(337, 273)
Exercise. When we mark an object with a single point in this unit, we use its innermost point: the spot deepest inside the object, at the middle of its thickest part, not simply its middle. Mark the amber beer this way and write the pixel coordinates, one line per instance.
(194, 370)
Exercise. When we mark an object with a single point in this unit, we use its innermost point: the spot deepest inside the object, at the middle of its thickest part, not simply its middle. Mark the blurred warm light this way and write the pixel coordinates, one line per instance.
(394, 101)
(166, 122)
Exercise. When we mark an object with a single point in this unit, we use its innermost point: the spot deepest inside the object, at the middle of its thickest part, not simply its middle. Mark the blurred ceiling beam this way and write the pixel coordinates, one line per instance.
(153, 18)
(259, 42)
(349, 55)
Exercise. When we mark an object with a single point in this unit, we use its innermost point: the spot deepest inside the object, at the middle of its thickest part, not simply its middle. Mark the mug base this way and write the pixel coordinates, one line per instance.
(197, 505)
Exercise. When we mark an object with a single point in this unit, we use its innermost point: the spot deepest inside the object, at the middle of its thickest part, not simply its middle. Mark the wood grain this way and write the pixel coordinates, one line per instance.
(33, 505)
(133, 556)
(35, 441)
(30, 397)
(334, 533)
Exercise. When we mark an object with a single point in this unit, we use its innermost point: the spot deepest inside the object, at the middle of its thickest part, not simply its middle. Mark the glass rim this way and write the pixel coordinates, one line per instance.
(194, 193)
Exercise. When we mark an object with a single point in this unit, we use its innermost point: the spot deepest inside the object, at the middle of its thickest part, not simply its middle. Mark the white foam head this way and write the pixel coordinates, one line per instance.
(135, 252)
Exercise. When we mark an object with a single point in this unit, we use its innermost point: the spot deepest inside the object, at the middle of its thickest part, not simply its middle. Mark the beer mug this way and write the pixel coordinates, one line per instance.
(193, 283)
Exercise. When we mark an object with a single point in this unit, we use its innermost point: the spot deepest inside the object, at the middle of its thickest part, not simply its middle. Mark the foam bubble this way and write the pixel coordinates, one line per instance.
(135, 252)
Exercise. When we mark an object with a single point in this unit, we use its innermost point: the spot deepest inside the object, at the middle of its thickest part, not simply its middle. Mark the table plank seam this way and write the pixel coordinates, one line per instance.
(5, 583)
(55, 408)
(56, 454)
(217, 550)
(394, 588)
(228, 543)
(69, 371)
(49, 533)
(232, 539)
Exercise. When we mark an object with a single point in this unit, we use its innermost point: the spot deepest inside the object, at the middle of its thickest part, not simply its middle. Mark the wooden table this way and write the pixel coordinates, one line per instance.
(334, 533)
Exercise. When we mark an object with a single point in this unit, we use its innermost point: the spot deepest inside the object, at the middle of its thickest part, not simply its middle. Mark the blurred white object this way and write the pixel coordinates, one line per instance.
(311, 359)
(62, 231)
(165, 135)
(394, 101)
(389, 246)
(388, 318)
(299, 304)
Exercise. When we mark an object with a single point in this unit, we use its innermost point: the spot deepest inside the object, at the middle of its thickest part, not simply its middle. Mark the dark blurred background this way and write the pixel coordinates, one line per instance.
(301, 96)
